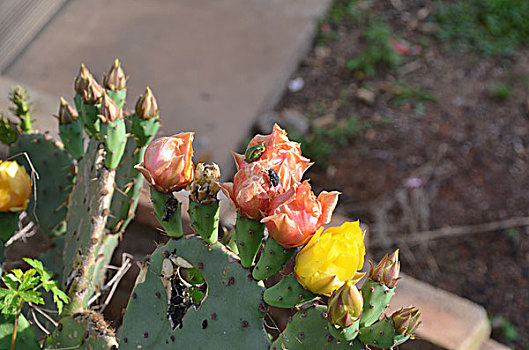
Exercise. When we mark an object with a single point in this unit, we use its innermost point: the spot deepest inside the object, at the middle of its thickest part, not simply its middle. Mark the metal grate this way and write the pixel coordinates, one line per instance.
(20, 22)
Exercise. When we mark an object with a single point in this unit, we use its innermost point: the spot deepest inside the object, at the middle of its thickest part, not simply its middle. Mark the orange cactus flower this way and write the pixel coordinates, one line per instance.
(296, 215)
(331, 258)
(280, 154)
(251, 191)
(167, 164)
(274, 168)
(15, 187)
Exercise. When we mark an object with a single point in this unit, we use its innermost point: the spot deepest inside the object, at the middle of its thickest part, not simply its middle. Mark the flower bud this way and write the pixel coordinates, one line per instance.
(147, 106)
(295, 216)
(406, 320)
(15, 187)
(331, 258)
(387, 271)
(167, 164)
(115, 80)
(109, 110)
(345, 305)
(87, 87)
(67, 114)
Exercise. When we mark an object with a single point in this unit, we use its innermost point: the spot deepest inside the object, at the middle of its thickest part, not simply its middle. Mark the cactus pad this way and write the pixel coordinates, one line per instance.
(56, 170)
(248, 235)
(288, 293)
(128, 187)
(205, 219)
(272, 259)
(72, 137)
(168, 211)
(308, 330)
(376, 299)
(230, 317)
(382, 335)
(114, 136)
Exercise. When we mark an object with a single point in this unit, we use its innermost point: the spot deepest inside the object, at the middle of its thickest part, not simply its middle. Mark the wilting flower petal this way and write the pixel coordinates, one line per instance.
(167, 164)
(331, 257)
(296, 215)
(251, 191)
(15, 187)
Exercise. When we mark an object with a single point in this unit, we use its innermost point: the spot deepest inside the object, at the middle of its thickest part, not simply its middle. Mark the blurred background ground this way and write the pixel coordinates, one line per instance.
(417, 111)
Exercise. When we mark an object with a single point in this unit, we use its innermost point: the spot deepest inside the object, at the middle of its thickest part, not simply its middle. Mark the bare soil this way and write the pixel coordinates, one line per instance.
(468, 150)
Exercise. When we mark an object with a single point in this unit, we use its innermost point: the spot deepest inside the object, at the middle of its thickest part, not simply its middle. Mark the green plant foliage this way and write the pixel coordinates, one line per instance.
(377, 52)
(404, 93)
(489, 27)
(501, 91)
(322, 142)
(23, 287)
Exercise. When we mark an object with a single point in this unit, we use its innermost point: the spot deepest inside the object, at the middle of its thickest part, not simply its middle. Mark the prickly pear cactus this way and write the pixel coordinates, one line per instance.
(88, 210)
(230, 316)
(83, 330)
(307, 330)
(56, 171)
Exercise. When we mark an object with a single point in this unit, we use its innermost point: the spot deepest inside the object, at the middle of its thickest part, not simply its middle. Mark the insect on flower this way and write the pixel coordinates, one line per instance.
(274, 178)
(254, 152)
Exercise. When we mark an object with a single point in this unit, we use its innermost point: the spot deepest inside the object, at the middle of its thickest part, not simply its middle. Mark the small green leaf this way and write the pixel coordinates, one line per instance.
(11, 281)
(59, 297)
(31, 296)
(10, 304)
(29, 280)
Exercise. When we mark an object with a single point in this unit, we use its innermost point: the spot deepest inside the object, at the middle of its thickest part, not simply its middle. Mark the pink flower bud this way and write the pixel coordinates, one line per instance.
(296, 215)
(167, 164)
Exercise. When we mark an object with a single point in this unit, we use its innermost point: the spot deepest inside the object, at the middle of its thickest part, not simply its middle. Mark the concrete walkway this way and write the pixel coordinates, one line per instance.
(214, 65)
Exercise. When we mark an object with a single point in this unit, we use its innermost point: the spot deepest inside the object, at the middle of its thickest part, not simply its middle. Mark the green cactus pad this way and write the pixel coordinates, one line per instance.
(114, 136)
(376, 299)
(205, 219)
(288, 293)
(72, 137)
(272, 259)
(248, 235)
(84, 330)
(8, 225)
(56, 170)
(128, 187)
(382, 335)
(172, 224)
(25, 336)
(88, 116)
(118, 96)
(345, 334)
(309, 330)
(230, 317)
(144, 130)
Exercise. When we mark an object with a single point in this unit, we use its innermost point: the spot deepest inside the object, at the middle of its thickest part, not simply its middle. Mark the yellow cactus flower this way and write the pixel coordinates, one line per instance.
(15, 187)
(331, 258)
